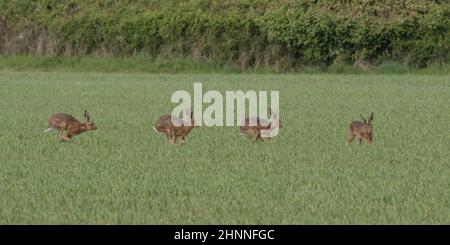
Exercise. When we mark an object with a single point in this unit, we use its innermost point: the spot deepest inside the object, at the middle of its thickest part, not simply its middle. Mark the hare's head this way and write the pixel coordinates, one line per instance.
(275, 119)
(87, 122)
(367, 129)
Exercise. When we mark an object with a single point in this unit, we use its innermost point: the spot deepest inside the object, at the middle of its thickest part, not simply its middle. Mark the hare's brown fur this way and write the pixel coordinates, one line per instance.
(69, 124)
(362, 130)
(165, 125)
(251, 130)
(255, 125)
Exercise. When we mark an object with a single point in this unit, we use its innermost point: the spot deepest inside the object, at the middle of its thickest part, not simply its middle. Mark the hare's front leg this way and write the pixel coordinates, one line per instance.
(183, 139)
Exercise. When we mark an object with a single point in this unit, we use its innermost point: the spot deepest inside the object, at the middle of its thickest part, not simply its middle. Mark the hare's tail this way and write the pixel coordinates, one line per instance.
(48, 130)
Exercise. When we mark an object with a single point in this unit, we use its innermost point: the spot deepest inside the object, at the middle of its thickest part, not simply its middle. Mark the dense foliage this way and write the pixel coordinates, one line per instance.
(250, 33)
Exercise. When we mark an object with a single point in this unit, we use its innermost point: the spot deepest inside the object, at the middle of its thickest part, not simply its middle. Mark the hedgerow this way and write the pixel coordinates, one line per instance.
(248, 33)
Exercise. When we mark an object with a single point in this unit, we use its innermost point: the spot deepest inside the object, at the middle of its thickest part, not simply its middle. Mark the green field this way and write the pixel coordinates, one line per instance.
(124, 173)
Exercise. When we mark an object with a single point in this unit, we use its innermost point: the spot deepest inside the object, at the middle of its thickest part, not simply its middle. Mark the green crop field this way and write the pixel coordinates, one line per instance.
(125, 173)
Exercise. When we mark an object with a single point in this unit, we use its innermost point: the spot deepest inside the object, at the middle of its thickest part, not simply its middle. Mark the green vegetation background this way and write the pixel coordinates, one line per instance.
(125, 173)
(238, 34)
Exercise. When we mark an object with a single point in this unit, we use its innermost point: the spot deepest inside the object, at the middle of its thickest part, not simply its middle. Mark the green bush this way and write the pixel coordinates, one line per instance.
(281, 34)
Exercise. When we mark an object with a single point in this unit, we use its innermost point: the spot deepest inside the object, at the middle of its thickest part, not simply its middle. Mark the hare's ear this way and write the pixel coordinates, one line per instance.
(371, 117)
(191, 117)
(189, 112)
(363, 118)
(86, 116)
(270, 112)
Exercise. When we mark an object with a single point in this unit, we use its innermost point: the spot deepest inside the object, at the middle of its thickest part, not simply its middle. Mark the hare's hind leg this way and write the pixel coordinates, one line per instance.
(174, 139)
(168, 133)
(351, 138)
(173, 136)
(258, 135)
(250, 134)
(245, 132)
(67, 137)
(61, 134)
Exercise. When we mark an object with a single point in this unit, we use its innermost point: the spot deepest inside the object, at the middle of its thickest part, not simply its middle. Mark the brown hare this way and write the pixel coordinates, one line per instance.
(65, 122)
(249, 130)
(164, 124)
(361, 130)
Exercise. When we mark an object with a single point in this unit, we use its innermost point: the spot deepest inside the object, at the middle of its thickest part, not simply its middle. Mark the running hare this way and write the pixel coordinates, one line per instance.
(165, 124)
(255, 125)
(361, 130)
(65, 122)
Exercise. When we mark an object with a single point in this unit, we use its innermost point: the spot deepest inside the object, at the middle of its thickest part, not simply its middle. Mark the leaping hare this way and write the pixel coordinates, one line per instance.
(361, 130)
(180, 129)
(65, 122)
(255, 125)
